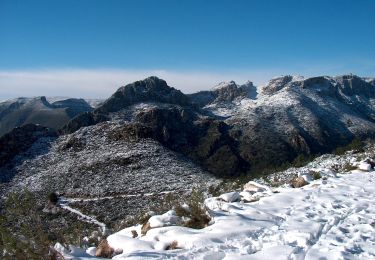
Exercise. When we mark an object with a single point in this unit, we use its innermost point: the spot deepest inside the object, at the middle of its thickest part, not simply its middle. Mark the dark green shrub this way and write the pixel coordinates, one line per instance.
(316, 175)
(53, 198)
(196, 211)
(355, 145)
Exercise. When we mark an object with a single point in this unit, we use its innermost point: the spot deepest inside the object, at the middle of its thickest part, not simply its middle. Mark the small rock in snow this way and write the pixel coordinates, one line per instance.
(299, 182)
(104, 250)
(230, 196)
(364, 166)
(146, 227)
(252, 186)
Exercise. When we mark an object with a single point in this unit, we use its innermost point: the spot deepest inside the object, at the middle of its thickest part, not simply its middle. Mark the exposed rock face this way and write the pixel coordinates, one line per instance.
(21, 111)
(277, 84)
(225, 91)
(229, 91)
(151, 89)
(21, 139)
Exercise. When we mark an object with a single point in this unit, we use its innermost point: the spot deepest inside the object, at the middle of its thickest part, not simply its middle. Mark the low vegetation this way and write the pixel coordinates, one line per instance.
(356, 145)
(26, 232)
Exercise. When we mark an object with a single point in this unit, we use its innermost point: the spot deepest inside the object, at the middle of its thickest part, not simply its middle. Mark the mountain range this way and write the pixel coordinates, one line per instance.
(38, 110)
(150, 138)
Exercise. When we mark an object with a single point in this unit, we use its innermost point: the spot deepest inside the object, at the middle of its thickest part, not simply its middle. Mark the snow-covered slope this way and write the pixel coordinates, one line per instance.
(100, 161)
(331, 218)
(293, 115)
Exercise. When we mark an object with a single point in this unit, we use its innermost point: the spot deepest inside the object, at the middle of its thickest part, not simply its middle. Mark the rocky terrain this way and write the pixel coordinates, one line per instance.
(149, 139)
(330, 215)
(38, 110)
(252, 128)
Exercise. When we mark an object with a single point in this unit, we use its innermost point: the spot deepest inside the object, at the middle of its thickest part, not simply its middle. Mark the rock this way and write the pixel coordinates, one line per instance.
(230, 196)
(172, 246)
(247, 196)
(276, 84)
(229, 91)
(104, 250)
(253, 187)
(146, 227)
(150, 89)
(371, 162)
(299, 182)
(364, 166)
(134, 233)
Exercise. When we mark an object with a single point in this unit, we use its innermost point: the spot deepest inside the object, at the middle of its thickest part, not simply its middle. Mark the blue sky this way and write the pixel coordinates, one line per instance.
(46, 45)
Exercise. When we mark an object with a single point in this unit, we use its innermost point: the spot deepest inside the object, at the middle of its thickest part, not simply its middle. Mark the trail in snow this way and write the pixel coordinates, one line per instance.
(65, 201)
(89, 219)
(72, 200)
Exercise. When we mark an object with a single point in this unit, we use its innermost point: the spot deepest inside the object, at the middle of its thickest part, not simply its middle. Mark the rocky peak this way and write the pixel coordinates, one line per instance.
(353, 85)
(277, 84)
(229, 91)
(151, 89)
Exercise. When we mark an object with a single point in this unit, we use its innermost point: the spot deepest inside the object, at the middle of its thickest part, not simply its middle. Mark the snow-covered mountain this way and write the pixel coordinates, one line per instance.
(256, 126)
(149, 139)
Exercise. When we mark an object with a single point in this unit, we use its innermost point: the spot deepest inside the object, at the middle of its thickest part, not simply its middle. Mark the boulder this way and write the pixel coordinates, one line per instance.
(230, 196)
(299, 182)
(145, 227)
(104, 250)
(364, 166)
(253, 187)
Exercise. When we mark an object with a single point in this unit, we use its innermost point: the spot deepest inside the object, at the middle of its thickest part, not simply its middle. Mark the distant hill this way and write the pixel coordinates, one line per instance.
(21, 111)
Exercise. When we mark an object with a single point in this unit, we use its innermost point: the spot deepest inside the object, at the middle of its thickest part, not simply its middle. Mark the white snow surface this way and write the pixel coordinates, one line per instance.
(331, 218)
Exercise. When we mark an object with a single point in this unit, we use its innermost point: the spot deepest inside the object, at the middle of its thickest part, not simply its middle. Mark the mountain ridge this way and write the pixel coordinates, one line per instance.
(288, 116)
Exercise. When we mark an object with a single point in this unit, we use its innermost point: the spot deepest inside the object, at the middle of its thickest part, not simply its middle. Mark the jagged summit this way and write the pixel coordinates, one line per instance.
(337, 86)
(151, 89)
(224, 84)
(226, 91)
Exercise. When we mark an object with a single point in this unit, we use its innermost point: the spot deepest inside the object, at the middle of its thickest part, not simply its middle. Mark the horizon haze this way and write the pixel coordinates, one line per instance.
(90, 48)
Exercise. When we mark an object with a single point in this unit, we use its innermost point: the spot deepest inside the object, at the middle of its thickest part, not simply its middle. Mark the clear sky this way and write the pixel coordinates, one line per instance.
(90, 47)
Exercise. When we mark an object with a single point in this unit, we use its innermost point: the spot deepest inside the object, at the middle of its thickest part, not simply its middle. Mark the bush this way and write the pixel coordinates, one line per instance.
(27, 233)
(355, 145)
(316, 175)
(348, 167)
(53, 198)
(196, 212)
(22, 233)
